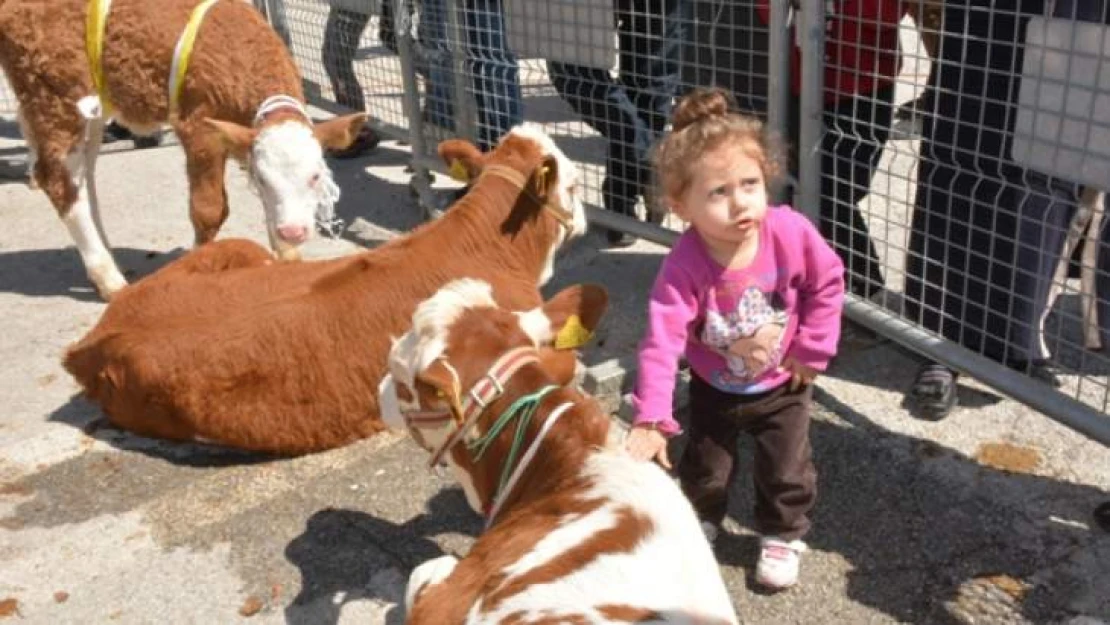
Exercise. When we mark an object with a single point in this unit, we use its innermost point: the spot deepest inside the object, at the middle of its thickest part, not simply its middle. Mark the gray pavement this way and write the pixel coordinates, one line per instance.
(982, 518)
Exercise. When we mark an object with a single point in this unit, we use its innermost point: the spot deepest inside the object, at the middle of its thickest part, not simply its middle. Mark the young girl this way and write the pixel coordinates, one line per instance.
(751, 295)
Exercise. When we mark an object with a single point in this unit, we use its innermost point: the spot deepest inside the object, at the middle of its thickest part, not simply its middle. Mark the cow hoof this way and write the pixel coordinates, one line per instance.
(431, 572)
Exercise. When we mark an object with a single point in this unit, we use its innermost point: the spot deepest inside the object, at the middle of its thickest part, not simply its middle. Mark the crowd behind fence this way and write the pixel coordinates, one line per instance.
(954, 154)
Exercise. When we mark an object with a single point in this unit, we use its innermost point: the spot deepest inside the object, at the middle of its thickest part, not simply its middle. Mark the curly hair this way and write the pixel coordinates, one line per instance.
(703, 120)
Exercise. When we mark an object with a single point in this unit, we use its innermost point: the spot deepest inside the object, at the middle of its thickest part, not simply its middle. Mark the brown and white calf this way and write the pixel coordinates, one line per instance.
(226, 346)
(578, 531)
(241, 97)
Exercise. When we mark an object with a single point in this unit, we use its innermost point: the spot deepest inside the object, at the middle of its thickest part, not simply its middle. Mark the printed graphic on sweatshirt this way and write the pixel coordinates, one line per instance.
(750, 337)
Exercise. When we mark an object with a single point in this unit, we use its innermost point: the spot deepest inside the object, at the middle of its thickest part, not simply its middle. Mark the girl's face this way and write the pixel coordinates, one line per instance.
(727, 197)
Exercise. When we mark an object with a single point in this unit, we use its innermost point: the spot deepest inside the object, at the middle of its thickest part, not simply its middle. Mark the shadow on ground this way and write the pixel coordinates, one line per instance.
(59, 272)
(85, 416)
(929, 535)
(336, 556)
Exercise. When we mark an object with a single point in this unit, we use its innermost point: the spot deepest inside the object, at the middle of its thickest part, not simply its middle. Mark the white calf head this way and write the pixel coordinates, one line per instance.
(460, 335)
(284, 153)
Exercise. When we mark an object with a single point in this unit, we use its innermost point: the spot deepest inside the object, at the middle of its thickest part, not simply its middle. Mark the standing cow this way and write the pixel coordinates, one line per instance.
(213, 69)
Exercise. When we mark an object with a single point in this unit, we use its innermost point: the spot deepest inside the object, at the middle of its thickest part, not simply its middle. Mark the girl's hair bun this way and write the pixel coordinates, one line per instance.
(701, 104)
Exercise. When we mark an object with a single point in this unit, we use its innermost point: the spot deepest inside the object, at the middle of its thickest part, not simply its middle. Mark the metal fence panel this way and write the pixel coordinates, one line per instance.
(967, 199)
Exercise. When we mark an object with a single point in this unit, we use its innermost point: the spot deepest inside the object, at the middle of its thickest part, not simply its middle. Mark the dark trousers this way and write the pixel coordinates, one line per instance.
(785, 478)
(986, 232)
(856, 130)
(341, 35)
(631, 111)
(494, 70)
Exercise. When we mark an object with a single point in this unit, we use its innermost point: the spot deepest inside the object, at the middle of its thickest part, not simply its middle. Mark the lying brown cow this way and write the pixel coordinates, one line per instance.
(227, 347)
(579, 531)
(75, 63)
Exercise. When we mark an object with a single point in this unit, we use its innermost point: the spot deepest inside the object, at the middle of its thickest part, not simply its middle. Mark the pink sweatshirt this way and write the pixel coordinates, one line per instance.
(736, 326)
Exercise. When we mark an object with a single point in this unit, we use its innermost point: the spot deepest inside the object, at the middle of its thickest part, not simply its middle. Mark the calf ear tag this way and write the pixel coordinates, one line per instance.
(458, 171)
(573, 334)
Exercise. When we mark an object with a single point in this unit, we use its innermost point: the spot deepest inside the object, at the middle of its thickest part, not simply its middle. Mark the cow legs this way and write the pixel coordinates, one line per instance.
(205, 161)
(64, 168)
(431, 572)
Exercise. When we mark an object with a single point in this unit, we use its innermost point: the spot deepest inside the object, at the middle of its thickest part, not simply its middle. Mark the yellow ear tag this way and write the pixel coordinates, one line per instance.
(458, 171)
(573, 334)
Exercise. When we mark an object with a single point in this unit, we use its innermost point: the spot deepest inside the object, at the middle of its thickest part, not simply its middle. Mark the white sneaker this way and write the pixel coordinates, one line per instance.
(778, 562)
(711, 531)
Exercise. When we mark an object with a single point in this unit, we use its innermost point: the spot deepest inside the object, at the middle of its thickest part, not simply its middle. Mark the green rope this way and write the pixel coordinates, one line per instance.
(524, 408)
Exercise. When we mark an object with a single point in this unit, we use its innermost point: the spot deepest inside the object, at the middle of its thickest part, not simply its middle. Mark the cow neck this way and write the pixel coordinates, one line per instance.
(520, 181)
(536, 476)
(474, 214)
(544, 406)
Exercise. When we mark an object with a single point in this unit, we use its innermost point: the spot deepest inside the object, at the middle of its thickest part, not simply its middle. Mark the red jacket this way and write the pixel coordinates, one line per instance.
(861, 46)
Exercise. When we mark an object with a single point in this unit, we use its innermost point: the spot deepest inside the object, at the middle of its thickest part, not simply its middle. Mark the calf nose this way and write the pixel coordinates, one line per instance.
(293, 233)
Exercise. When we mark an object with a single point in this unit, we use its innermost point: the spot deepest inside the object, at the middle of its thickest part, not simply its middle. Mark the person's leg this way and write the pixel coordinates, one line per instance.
(857, 130)
(650, 72)
(436, 64)
(495, 71)
(605, 105)
(1044, 217)
(785, 482)
(785, 478)
(341, 36)
(707, 465)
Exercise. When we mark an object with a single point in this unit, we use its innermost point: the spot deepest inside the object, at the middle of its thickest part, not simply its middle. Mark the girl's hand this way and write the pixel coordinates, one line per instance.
(647, 443)
(800, 375)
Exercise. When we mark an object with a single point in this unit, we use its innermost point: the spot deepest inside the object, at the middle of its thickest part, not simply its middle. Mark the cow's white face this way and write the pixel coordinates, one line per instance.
(295, 184)
(415, 351)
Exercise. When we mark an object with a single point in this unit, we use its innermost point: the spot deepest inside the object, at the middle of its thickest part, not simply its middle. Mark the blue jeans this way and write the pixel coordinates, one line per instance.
(494, 72)
(631, 111)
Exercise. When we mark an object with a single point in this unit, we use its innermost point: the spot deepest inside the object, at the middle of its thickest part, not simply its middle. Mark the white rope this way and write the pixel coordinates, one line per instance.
(525, 460)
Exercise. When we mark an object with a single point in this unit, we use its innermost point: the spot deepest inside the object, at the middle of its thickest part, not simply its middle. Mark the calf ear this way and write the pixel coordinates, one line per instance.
(237, 139)
(339, 132)
(575, 312)
(464, 160)
(441, 380)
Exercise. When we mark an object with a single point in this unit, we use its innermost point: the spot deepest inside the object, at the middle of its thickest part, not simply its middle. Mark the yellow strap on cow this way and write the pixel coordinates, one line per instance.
(96, 18)
(183, 51)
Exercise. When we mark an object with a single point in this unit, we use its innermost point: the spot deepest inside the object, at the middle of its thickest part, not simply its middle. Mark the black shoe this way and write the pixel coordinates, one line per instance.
(1102, 516)
(143, 143)
(366, 141)
(114, 132)
(934, 391)
(618, 238)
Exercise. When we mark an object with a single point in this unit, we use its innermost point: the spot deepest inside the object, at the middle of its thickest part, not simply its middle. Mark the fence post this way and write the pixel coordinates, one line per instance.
(778, 78)
(459, 45)
(811, 32)
(421, 182)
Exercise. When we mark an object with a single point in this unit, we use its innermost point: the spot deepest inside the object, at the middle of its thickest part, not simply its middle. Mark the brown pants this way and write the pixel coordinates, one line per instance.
(785, 478)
